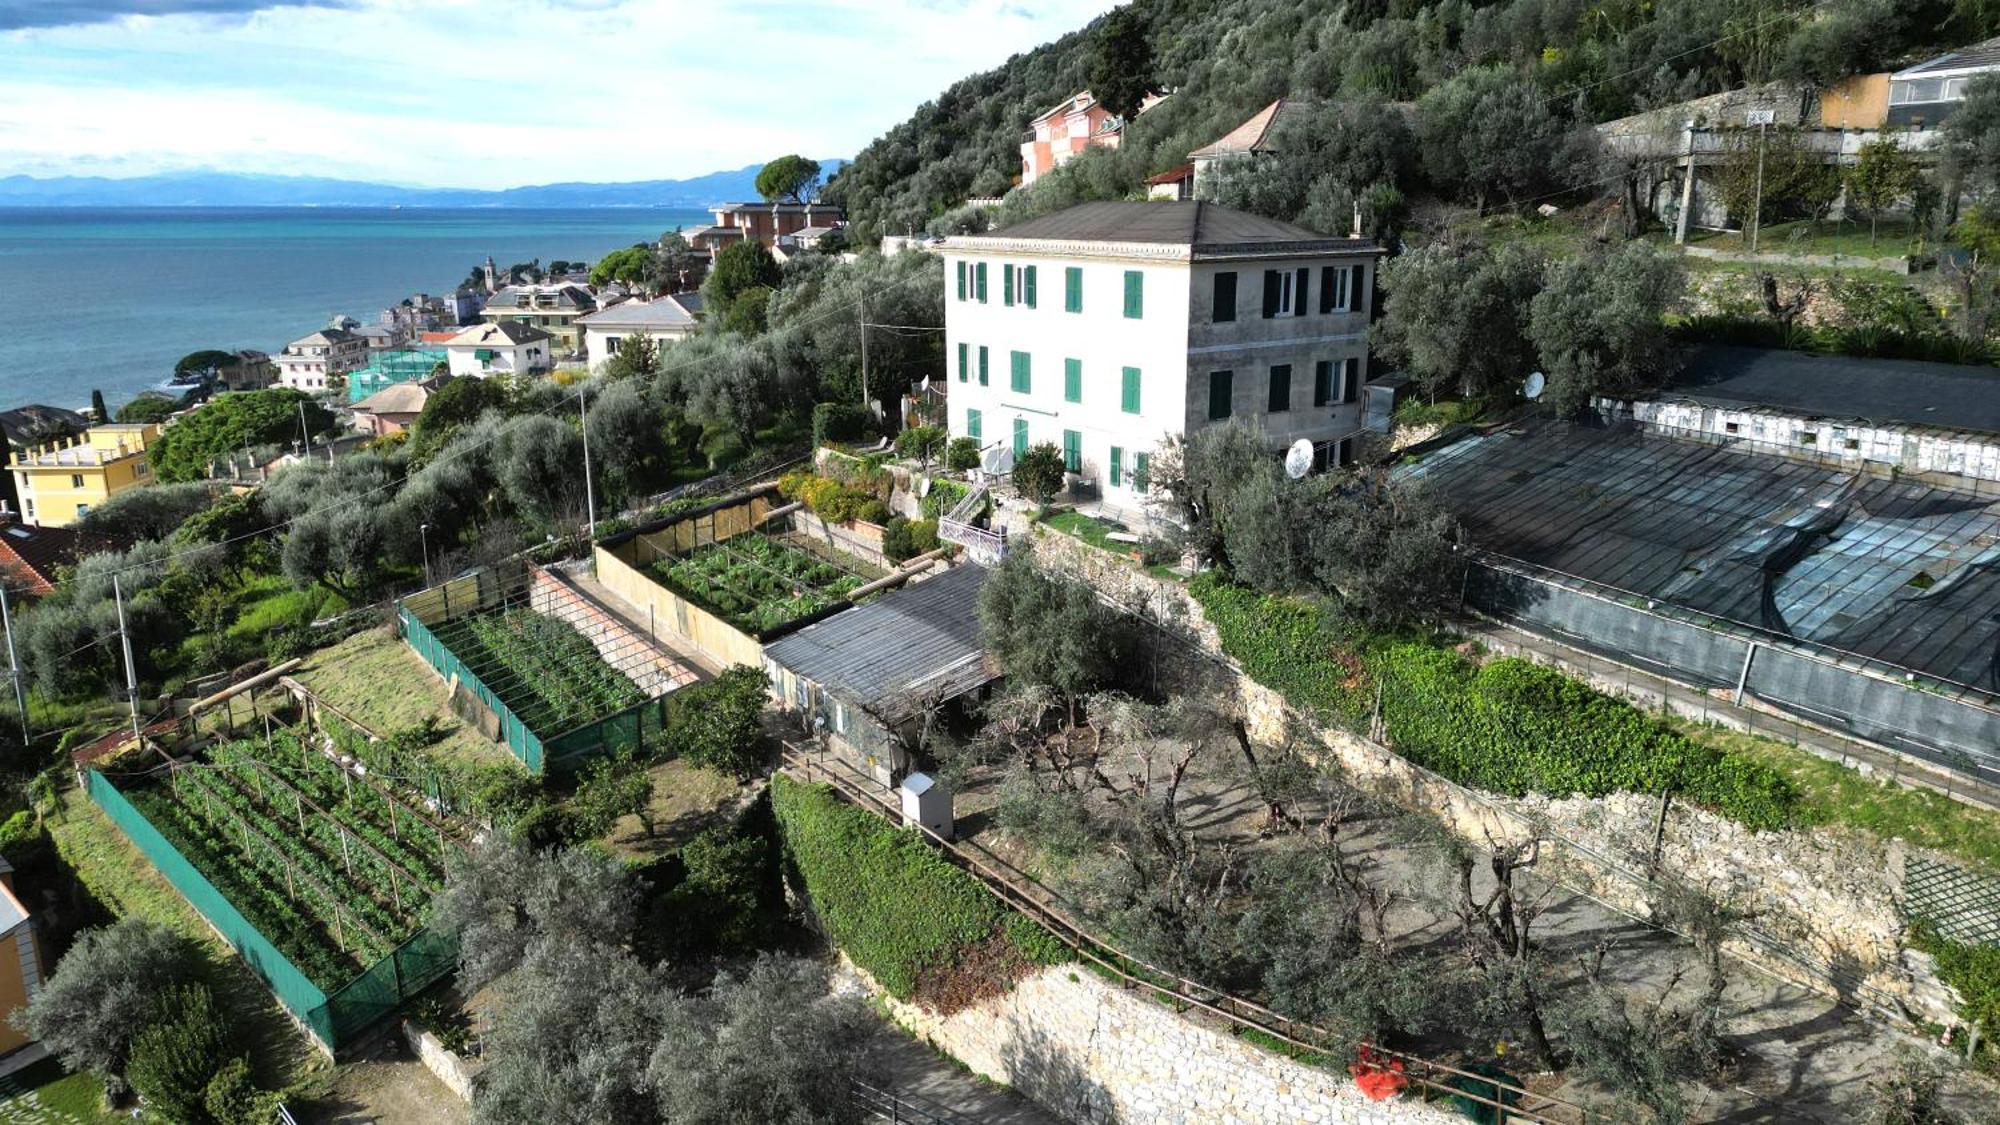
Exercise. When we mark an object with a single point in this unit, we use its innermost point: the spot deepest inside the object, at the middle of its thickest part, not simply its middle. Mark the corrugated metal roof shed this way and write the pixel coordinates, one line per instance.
(1912, 392)
(888, 655)
(1884, 568)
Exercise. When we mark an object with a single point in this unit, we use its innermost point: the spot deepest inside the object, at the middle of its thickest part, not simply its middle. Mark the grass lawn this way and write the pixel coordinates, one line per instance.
(270, 603)
(1838, 795)
(1091, 530)
(127, 885)
(1895, 237)
(46, 1093)
(685, 800)
(385, 685)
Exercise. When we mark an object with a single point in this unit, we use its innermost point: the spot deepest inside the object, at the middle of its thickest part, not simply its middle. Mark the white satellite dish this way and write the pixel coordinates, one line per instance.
(924, 388)
(1532, 389)
(997, 460)
(1299, 458)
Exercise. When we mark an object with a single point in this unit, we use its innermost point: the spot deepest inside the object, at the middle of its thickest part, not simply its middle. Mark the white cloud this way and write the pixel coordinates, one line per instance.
(491, 93)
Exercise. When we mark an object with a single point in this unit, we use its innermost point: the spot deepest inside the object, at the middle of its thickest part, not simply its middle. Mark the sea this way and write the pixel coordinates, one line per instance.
(110, 299)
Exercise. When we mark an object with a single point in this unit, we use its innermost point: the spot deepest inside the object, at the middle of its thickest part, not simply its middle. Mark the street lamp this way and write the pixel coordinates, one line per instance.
(424, 533)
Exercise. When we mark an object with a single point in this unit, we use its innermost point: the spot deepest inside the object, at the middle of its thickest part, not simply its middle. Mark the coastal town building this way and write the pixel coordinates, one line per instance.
(20, 963)
(1074, 124)
(59, 482)
(316, 363)
(32, 557)
(552, 308)
(1106, 328)
(394, 408)
(506, 348)
(1253, 138)
(247, 370)
(666, 320)
(381, 337)
(764, 222)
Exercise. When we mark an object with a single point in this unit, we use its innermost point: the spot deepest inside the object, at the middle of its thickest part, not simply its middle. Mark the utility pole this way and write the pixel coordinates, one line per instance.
(14, 666)
(305, 434)
(589, 486)
(131, 673)
(1757, 208)
(866, 399)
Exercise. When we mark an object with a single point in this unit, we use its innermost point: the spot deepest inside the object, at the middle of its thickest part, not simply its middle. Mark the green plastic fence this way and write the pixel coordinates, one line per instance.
(525, 744)
(637, 728)
(333, 1020)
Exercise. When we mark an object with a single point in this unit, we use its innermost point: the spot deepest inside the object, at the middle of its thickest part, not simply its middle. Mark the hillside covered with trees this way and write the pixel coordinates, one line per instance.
(1502, 83)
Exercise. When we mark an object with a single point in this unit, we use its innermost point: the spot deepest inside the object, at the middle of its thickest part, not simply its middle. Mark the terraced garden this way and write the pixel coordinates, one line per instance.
(335, 869)
(548, 674)
(757, 583)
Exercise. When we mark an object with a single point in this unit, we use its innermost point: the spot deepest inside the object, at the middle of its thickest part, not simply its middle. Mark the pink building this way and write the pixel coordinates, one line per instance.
(1064, 131)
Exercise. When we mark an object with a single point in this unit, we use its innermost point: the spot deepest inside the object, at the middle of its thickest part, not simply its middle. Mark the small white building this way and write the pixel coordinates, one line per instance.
(504, 348)
(316, 363)
(667, 320)
(1108, 327)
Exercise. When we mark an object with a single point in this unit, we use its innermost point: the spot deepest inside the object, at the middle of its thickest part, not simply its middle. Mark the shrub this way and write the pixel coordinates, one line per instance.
(906, 539)
(961, 454)
(718, 724)
(177, 1055)
(103, 991)
(1973, 971)
(921, 442)
(875, 512)
(943, 496)
(719, 905)
(917, 924)
(1507, 727)
(841, 421)
(1039, 472)
(233, 1098)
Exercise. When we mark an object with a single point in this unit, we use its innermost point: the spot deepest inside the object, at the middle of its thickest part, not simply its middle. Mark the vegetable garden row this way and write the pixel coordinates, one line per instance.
(545, 671)
(334, 869)
(757, 583)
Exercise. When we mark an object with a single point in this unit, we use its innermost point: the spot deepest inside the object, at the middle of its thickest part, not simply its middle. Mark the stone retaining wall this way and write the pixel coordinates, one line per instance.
(1089, 1051)
(456, 1073)
(1824, 905)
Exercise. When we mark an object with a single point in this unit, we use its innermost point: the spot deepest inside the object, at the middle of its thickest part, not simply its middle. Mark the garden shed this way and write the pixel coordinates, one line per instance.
(872, 675)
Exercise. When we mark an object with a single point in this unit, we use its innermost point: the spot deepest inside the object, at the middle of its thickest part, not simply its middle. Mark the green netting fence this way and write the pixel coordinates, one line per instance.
(525, 744)
(334, 1020)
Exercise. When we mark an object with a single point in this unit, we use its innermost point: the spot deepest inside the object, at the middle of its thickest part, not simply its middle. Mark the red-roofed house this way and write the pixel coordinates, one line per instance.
(1175, 184)
(30, 555)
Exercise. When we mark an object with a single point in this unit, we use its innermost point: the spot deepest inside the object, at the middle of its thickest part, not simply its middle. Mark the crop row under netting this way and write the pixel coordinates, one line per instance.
(335, 868)
(547, 673)
(759, 582)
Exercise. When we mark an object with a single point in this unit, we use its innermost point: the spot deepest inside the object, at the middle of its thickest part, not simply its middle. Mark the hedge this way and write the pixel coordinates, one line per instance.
(1507, 726)
(887, 898)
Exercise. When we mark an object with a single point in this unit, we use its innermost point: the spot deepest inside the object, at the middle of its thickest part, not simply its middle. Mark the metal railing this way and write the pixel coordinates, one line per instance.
(886, 1105)
(1021, 892)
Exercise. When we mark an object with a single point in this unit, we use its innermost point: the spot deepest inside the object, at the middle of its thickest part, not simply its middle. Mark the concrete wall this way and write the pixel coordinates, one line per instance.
(1957, 458)
(667, 612)
(1090, 1051)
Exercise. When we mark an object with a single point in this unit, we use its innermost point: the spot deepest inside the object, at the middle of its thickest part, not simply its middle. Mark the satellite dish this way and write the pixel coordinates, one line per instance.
(997, 459)
(1299, 458)
(925, 387)
(1532, 389)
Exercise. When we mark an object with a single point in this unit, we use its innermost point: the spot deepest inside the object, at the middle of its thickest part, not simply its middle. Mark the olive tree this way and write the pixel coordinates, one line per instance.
(502, 897)
(1598, 325)
(1456, 319)
(103, 991)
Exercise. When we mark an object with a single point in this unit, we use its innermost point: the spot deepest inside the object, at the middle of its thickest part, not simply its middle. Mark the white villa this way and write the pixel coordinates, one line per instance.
(666, 320)
(1110, 326)
(506, 348)
(314, 363)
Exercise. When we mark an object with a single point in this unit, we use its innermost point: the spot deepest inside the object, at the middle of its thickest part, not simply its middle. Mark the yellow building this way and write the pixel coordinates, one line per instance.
(20, 964)
(62, 480)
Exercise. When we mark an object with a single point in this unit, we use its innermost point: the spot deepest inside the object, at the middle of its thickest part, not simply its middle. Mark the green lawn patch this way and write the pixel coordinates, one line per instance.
(1894, 238)
(45, 1092)
(924, 929)
(1091, 530)
(1835, 794)
(376, 678)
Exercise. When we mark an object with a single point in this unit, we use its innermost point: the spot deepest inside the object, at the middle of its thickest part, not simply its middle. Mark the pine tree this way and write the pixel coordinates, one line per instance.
(97, 406)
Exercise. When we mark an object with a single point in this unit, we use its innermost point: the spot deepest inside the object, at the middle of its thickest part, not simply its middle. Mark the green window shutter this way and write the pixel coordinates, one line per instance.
(1135, 294)
(1117, 466)
(982, 365)
(1323, 382)
(1281, 388)
(961, 281)
(1072, 451)
(1129, 399)
(979, 281)
(1221, 394)
(1007, 285)
(1072, 380)
(1028, 286)
(1020, 377)
(1140, 476)
(964, 362)
(972, 425)
(1020, 438)
(1073, 289)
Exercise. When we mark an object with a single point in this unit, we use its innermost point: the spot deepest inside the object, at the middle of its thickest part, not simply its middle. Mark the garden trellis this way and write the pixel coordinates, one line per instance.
(758, 583)
(318, 874)
(553, 678)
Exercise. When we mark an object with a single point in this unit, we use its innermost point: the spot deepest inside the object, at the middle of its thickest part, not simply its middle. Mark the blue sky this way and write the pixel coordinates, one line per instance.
(482, 93)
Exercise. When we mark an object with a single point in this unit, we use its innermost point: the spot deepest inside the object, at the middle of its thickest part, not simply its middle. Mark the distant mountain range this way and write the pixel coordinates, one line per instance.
(227, 189)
